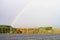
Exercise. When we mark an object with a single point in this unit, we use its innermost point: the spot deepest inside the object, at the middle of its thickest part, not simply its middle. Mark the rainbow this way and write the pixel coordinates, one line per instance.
(20, 13)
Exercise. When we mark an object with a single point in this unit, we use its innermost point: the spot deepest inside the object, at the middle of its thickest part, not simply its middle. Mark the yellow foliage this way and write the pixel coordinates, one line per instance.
(36, 31)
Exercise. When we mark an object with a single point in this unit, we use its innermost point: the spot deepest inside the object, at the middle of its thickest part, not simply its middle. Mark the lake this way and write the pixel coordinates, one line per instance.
(29, 36)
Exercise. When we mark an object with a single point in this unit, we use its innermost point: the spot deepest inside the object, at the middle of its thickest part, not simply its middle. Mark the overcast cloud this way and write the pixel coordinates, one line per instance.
(38, 13)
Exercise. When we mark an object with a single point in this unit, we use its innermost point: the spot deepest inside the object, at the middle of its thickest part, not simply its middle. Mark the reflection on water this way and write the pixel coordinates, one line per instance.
(29, 37)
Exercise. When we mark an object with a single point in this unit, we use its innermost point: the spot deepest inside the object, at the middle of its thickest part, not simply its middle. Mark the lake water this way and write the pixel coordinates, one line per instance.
(29, 36)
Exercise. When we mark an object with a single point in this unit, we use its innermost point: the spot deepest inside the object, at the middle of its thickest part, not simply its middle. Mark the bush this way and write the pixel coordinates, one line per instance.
(5, 28)
(48, 28)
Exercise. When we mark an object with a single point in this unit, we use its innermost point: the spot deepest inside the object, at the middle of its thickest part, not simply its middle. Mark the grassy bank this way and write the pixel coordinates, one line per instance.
(42, 30)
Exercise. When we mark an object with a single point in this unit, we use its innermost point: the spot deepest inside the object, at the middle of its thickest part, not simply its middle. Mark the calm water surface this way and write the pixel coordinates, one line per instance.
(29, 36)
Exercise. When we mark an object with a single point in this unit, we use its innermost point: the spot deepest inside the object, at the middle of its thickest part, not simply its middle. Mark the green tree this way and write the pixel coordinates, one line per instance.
(48, 28)
(5, 28)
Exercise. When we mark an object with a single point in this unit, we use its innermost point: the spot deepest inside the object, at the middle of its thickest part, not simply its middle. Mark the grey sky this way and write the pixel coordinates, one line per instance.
(38, 13)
